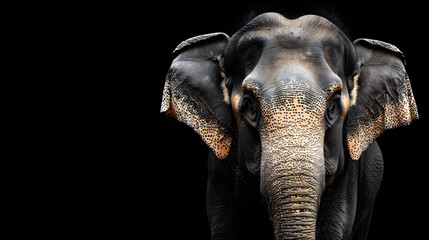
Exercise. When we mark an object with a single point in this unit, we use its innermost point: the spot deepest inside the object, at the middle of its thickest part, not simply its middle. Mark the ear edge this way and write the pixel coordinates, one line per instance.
(166, 102)
(193, 40)
(380, 44)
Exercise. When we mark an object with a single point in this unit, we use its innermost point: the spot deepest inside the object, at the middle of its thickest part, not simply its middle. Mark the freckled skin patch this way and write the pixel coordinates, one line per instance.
(190, 112)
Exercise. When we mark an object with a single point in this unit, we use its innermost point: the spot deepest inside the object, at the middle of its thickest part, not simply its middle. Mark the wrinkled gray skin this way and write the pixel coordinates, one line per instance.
(290, 110)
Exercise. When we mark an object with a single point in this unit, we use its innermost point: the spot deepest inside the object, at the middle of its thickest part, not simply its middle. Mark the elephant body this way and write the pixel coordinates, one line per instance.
(290, 109)
(236, 211)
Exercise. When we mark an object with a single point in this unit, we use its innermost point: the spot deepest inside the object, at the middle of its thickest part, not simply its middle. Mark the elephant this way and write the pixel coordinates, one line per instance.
(290, 110)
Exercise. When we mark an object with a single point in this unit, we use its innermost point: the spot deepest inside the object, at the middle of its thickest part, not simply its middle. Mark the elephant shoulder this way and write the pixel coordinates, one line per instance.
(371, 168)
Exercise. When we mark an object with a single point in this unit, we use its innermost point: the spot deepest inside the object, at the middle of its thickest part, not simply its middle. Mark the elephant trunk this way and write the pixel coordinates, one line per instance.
(292, 129)
(292, 180)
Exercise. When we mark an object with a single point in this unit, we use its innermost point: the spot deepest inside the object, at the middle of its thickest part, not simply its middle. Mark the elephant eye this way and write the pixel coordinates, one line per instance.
(333, 106)
(334, 110)
(250, 110)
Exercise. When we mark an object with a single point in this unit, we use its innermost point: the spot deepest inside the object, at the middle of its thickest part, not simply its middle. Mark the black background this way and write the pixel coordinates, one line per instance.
(121, 168)
(180, 154)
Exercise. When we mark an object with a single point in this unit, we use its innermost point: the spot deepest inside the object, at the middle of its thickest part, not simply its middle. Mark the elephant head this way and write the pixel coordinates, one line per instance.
(293, 98)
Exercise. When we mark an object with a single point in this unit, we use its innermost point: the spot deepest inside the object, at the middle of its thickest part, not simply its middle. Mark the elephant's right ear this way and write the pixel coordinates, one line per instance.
(195, 92)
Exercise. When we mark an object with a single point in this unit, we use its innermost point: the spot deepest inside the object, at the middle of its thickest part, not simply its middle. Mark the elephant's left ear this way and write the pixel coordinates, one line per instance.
(194, 91)
(384, 96)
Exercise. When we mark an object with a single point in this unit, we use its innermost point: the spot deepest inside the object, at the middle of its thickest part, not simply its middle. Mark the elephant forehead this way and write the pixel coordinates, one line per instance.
(290, 32)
